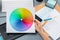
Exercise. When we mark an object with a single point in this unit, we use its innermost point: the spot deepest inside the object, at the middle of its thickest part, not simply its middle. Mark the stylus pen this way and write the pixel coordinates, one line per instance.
(47, 19)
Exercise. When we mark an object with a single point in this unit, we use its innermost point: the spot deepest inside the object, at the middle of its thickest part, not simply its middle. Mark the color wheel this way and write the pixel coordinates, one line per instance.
(21, 19)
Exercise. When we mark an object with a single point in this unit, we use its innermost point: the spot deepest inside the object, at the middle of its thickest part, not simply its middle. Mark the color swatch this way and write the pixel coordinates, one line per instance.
(21, 19)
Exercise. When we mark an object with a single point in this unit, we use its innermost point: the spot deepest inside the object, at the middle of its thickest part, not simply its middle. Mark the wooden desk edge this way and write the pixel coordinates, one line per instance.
(57, 7)
(38, 7)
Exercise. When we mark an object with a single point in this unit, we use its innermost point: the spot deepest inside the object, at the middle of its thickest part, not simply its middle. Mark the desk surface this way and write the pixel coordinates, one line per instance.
(35, 36)
(38, 7)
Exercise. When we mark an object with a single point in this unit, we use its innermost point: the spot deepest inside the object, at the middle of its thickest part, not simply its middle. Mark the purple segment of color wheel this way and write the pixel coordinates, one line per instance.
(19, 25)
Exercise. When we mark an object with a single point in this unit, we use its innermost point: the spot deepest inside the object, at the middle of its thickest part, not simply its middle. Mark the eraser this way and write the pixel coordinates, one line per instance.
(51, 3)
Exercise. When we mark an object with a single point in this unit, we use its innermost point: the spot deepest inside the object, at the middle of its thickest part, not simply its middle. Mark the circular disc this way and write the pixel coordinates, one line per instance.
(21, 19)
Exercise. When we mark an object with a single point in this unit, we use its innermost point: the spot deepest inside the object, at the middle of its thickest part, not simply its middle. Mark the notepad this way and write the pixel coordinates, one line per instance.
(52, 27)
(44, 13)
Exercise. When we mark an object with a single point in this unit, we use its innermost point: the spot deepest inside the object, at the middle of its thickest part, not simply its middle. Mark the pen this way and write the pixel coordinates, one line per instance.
(47, 19)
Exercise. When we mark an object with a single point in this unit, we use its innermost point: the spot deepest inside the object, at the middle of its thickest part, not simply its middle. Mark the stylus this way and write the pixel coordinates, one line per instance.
(47, 19)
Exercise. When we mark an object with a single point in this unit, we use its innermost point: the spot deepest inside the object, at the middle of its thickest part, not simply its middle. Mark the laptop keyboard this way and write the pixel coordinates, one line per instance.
(8, 36)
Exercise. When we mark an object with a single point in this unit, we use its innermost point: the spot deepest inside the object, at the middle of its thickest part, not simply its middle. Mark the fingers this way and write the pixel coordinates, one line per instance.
(37, 22)
(38, 26)
(43, 23)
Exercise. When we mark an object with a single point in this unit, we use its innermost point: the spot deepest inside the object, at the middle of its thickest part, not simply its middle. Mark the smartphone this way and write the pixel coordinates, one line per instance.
(38, 18)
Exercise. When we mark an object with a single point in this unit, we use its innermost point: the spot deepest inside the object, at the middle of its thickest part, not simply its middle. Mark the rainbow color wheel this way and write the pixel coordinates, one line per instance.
(21, 19)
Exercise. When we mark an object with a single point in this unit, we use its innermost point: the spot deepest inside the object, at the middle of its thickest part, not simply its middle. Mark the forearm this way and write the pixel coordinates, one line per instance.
(41, 31)
(44, 35)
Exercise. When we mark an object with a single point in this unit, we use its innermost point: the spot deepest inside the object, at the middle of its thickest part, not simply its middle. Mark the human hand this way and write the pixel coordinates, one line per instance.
(41, 31)
(38, 26)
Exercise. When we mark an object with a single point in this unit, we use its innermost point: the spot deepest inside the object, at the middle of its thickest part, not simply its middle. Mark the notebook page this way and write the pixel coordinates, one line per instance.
(53, 26)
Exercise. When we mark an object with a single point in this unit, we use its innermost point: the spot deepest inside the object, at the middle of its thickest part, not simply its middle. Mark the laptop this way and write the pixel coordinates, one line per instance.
(8, 36)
